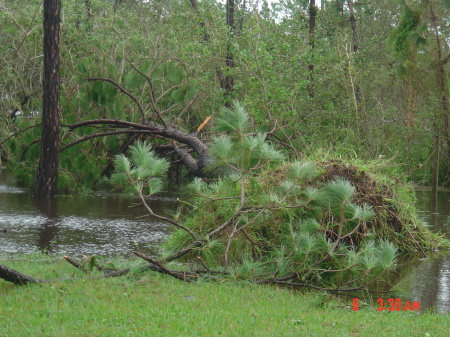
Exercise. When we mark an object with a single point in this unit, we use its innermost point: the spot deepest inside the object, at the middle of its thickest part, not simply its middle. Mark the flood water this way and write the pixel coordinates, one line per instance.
(429, 280)
(106, 225)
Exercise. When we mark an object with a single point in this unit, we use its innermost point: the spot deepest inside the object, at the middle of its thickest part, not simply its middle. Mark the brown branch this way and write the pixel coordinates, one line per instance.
(15, 277)
(152, 92)
(187, 107)
(75, 263)
(180, 275)
(195, 165)
(18, 133)
(122, 89)
(160, 217)
(103, 134)
(111, 122)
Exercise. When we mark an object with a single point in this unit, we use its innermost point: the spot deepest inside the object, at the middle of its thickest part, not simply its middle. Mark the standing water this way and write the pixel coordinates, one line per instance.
(105, 224)
(429, 282)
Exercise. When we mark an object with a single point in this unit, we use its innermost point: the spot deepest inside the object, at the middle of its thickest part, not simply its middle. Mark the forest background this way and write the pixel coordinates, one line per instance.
(346, 79)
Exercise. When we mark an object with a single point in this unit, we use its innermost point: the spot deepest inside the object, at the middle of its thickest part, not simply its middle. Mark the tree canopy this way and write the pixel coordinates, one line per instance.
(174, 64)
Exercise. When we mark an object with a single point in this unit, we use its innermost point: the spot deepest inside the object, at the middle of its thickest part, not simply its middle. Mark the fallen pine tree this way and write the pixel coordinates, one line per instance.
(327, 225)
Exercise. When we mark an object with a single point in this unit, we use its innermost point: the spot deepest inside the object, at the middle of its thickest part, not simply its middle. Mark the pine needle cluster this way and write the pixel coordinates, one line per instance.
(266, 217)
(285, 221)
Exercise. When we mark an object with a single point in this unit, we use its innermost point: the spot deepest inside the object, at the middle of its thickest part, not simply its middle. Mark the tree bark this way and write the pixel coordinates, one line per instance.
(355, 85)
(47, 173)
(195, 166)
(312, 33)
(444, 99)
(15, 277)
(227, 81)
(353, 25)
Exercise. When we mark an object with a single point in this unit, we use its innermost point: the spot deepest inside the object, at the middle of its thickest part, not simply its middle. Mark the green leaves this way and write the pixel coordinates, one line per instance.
(141, 171)
(238, 152)
(304, 171)
(233, 120)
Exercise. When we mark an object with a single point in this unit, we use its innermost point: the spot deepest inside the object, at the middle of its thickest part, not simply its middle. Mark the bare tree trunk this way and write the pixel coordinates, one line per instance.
(442, 87)
(435, 162)
(88, 5)
(206, 35)
(228, 81)
(117, 4)
(356, 88)
(353, 25)
(47, 174)
(312, 35)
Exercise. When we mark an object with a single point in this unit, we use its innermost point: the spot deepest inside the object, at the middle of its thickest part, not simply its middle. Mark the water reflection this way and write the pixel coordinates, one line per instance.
(429, 281)
(102, 225)
(48, 230)
(431, 284)
(107, 225)
(434, 209)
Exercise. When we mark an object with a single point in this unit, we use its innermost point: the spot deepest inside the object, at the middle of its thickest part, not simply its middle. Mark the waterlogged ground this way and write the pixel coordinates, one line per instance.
(106, 224)
(429, 280)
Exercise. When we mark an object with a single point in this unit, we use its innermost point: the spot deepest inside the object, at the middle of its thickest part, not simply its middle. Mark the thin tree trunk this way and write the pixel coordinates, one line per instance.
(47, 174)
(206, 36)
(442, 87)
(353, 25)
(355, 85)
(435, 163)
(312, 33)
(228, 80)
(88, 5)
(117, 4)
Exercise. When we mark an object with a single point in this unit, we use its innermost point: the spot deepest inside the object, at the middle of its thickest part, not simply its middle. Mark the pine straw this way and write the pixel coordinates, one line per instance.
(394, 220)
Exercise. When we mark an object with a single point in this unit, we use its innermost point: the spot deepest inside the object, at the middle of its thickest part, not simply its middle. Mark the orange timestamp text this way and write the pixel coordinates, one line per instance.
(391, 304)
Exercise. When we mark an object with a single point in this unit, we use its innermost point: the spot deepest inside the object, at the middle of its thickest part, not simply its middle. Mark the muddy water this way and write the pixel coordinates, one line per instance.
(104, 224)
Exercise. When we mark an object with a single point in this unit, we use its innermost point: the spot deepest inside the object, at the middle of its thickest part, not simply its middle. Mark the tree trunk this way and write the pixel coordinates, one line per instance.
(355, 85)
(47, 174)
(442, 87)
(195, 165)
(435, 162)
(312, 33)
(353, 25)
(117, 4)
(227, 82)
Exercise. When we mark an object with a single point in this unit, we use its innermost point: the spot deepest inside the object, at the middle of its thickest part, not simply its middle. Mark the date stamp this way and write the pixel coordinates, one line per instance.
(391, 304)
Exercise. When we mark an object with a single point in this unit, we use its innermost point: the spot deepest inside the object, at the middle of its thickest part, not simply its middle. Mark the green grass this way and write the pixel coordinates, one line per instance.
(149, 304)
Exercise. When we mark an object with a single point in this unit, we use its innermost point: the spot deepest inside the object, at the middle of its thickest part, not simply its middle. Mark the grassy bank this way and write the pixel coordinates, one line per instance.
(148, 304)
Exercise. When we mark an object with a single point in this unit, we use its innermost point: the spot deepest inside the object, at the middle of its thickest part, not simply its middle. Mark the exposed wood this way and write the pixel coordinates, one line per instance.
(204, 124)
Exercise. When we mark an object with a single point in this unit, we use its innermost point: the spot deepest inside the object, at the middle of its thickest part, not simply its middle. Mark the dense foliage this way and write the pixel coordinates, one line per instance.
(272, 220)
(385, 98)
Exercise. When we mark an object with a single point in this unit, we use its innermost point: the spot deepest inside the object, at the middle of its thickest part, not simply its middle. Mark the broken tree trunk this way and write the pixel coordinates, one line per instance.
(15, 277)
